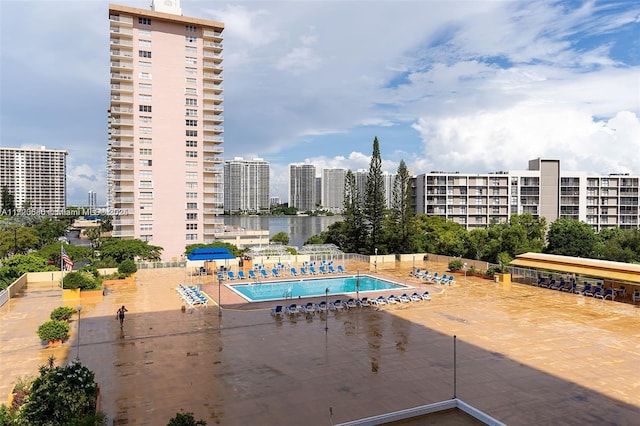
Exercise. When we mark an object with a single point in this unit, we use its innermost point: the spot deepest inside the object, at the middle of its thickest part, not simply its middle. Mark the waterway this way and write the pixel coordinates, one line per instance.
(299, 228)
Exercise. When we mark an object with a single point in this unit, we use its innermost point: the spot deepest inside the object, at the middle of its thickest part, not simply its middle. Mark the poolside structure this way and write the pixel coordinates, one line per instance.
(612, 274)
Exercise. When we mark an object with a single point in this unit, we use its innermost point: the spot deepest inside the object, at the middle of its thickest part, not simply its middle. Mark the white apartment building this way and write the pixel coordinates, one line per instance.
(165, 126)
(302, 187)
(477, 200)
(333, 189)
(36, 177)
(246, 186)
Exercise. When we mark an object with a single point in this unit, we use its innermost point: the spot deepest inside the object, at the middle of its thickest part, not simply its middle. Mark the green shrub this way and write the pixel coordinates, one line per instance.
(185, 419)
(90, 269)
(81, 280)
(53, 330)
(472, 270)
(492, 271)
(62, 395)
(455, 265)
(62, 313)
(127, 267)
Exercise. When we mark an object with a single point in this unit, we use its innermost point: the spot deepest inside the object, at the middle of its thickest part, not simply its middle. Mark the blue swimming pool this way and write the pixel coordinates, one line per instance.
(311, 287)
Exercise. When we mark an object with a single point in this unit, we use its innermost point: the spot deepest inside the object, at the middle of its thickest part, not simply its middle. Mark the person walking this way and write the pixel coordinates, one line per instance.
(120, 315)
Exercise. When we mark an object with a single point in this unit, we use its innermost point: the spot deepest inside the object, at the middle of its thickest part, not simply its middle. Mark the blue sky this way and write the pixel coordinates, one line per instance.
(470, 86)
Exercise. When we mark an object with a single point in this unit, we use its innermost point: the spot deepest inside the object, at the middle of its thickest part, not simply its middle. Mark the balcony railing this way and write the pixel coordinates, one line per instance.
(118, 76)
(212, 44)
(123, 53)
(117, 41)
(120, 30)
(121, 19)
(211, 34)
(122, 98)
(122, 110)
(118, 64)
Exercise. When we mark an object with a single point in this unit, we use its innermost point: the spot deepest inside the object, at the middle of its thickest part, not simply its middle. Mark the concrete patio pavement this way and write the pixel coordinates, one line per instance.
(525, 355)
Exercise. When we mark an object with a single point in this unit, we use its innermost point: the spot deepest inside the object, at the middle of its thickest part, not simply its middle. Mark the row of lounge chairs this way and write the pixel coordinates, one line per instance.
(586, 289)
(191, 295)
(435, 277)
(277, 273)
(339, 305)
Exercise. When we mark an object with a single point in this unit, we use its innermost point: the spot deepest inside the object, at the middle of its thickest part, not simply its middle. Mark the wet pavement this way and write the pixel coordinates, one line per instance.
(525, 355)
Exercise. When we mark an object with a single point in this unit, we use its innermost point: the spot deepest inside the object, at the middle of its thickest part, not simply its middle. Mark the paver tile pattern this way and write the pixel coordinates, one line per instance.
(525, 355)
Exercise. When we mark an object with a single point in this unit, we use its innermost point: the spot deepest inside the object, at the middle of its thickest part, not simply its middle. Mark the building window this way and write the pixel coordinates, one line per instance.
(191, 133)
(191, 28)
(144, 98)
(192, 185)
(144, 53)
(145, 141)
(192, 195)
(191, 164)
(192, 154)
(146, 226)
(145, 119)
(145, 130)
(190, 70)
(144, 86)
(145, 151)
(192, 226)
(191, 123)
(145, 195)
(144, 33)
(191, 102)
(144, 21)
(191, 60)
(192, 206)
(146, 237)
(146, 206)
(146, 173)
(190, 50)
(192, 216)
(146, 216)
(191, 91)
(191, 144)
(144, 64)
(191, 237)
(145, 108)
(191, 80)
(191, 175)
(191, 112)
(146, 184)
(190, 39)
(146, 163)
(144, 43)
(145, 76)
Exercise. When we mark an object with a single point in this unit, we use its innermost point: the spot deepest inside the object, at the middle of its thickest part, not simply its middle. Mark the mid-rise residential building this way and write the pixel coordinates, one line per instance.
(543, 190)
(246, 186)
(388, 180)
(333, 189)
(165, 126)
(302, 187)
(35, 177)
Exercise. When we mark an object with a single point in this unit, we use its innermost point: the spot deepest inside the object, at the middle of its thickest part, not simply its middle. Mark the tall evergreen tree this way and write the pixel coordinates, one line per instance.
(7, 200)
(374, 201)
(352, 213)
(401, 217)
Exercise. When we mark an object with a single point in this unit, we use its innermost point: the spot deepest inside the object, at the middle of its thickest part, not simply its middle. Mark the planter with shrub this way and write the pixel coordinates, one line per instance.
(53, 332)
(455, 265)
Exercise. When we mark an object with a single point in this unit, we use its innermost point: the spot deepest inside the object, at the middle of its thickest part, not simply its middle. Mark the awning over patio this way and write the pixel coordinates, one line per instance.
(604, 269)
(216, 253)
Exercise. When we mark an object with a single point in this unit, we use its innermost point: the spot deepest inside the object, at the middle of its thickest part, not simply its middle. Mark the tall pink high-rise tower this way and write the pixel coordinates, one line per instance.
(165, 126)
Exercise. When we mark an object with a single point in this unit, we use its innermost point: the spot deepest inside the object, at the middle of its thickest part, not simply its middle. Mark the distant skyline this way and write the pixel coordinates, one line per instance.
(468, 86)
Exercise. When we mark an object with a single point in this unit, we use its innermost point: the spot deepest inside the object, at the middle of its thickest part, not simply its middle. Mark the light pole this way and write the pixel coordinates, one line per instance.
(326, 305)
(375, 262)
(78, 339)
(465, 272)
(219, 300)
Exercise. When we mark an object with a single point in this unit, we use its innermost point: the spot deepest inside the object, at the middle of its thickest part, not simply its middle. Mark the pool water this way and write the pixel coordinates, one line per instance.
(310, 287)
